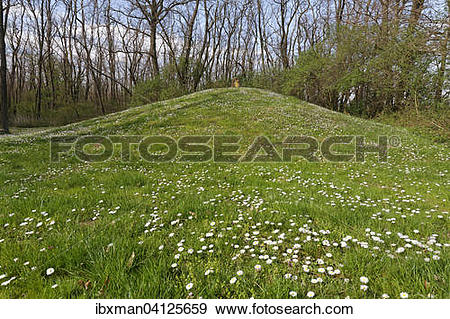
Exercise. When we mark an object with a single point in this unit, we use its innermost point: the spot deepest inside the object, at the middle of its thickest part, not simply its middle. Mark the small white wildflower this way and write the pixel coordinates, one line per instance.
(208, 272)
(5, 283)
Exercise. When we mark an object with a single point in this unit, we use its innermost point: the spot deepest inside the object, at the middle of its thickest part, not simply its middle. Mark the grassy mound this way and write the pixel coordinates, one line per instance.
(174, 230)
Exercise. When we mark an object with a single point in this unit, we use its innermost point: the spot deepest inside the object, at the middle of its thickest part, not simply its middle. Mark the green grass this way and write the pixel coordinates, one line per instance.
(114, 229)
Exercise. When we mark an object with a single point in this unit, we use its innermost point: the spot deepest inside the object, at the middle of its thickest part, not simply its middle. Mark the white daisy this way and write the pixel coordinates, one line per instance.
(208, 272)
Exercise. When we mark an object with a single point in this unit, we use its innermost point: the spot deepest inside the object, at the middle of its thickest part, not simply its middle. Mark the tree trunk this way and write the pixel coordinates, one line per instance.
(444, 53)
(3, 83)
(153, 52)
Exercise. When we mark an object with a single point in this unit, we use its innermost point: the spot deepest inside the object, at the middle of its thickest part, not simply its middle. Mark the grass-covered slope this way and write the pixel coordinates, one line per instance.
(143, 230)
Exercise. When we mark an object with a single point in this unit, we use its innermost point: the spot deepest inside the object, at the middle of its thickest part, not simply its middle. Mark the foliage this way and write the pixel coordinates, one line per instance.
(160, 88)
(145, 92)
(433, 122)
(353, 71)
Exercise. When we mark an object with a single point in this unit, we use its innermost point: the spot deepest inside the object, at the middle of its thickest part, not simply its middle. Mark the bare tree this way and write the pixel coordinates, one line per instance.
(92, 57)
(4, 11)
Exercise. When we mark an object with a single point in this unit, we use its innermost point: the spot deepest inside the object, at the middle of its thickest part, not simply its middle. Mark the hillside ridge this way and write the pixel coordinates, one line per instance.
(294, 108)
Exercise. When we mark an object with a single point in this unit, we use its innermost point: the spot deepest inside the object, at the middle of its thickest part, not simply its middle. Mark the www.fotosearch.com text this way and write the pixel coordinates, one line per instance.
(218, 148)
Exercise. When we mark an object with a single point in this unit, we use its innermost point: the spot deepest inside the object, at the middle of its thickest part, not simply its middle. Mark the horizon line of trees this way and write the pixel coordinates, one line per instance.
(65, 60)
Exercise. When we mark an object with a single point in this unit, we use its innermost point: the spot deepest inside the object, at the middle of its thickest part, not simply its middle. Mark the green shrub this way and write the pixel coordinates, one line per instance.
(146, 92)
(161, 88)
